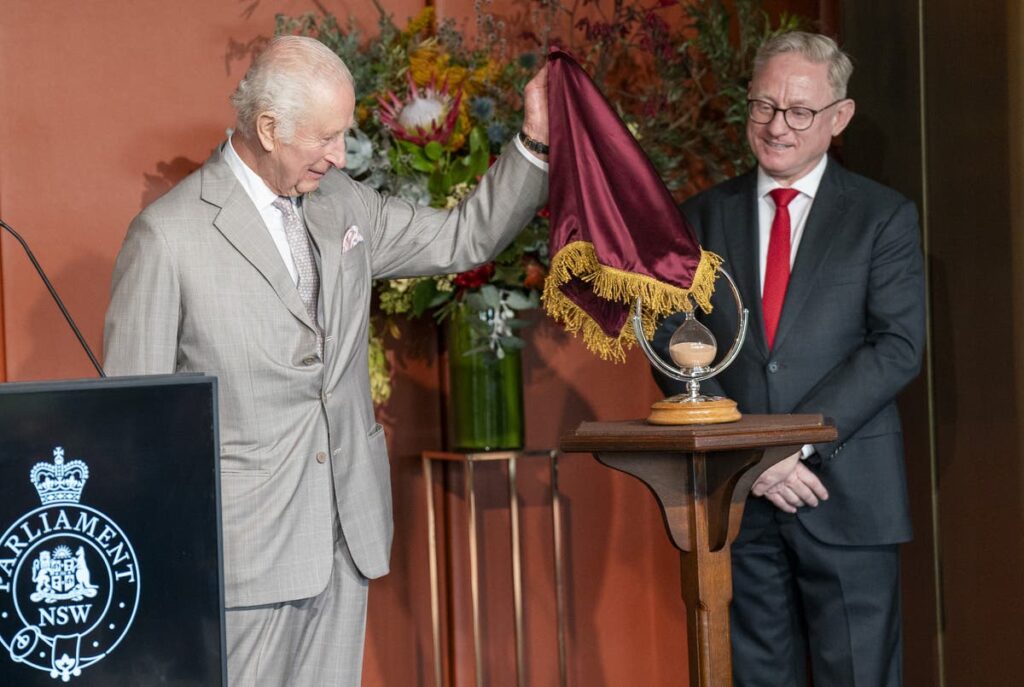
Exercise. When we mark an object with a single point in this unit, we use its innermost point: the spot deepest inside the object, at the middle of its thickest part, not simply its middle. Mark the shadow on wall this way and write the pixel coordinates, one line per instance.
(567, 385)
(398, 641)
(167, 175)
(245, 53)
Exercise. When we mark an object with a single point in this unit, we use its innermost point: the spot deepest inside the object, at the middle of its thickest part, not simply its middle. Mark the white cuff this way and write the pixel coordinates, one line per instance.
(542, 164)
(806, 451)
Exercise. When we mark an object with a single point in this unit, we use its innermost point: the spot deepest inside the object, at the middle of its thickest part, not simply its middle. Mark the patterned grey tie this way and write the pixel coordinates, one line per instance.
(302, 255)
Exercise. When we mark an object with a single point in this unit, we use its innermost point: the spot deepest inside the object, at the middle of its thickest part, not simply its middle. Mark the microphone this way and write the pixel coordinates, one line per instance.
(56, 298)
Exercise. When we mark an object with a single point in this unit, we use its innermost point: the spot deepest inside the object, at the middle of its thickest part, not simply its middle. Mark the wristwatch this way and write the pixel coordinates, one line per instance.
(534, 145)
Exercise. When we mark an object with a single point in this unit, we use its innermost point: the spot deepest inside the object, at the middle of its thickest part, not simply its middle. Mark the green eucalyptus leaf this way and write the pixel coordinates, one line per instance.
(490, 295)
(440, 298)
(420, 163)
(408, 147)
(460, 173)
(517, 300)
(512, 342)
(422, 295)
(433, 150)
(478, 140)
(476, 301)
(511, 275)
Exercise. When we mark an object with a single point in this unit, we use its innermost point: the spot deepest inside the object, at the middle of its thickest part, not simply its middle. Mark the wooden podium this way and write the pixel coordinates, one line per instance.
(701, 476)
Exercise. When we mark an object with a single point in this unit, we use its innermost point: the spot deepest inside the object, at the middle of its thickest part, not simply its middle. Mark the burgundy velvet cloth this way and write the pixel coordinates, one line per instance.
(605, 191)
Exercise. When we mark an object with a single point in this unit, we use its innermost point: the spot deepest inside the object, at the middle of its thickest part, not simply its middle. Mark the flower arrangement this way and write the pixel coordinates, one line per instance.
(433, 112)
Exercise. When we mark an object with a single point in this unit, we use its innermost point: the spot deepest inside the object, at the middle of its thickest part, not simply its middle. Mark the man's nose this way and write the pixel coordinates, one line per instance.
(336, 153)
(777, 126)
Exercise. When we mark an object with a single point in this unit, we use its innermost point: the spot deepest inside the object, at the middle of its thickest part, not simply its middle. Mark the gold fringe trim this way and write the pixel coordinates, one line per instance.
(578, 260)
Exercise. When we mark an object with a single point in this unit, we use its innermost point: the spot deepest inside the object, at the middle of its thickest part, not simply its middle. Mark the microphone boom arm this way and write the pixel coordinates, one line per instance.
(56, 298)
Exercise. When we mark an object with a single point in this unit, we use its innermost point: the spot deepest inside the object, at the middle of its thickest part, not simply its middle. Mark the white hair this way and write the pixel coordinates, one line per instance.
(815, 47)
(284, 80)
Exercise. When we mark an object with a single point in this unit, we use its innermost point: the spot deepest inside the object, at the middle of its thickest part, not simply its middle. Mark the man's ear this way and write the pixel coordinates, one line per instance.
(844, 113)
(266, 130)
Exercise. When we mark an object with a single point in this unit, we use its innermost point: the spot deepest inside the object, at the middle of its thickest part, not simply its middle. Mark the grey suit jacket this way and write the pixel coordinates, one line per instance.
(200, 287)
(850, 337)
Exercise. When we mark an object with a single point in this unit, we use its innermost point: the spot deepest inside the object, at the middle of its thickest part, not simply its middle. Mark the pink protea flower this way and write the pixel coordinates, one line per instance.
(429, 114)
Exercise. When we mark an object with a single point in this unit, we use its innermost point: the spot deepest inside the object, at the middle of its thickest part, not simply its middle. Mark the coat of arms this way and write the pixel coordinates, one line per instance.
(69, 579)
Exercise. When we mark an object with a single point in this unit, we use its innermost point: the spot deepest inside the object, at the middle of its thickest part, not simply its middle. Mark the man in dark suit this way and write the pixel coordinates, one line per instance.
(829, 264)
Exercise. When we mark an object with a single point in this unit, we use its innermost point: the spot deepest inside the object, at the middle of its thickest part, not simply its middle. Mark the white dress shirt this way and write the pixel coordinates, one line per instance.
(799, 209)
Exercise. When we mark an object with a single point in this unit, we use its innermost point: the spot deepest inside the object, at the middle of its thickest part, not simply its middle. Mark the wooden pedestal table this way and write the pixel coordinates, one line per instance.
(701, 476)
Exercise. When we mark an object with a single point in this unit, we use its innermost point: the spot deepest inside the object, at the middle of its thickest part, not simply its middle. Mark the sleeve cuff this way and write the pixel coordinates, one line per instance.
(806, 451)
(530, 156)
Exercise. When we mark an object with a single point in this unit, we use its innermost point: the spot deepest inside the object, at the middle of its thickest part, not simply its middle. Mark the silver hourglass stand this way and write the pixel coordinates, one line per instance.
(693, 407)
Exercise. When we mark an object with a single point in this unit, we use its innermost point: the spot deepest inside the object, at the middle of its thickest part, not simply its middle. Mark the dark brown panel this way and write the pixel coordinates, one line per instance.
(970, 160)
(968, 64)
(885, 142)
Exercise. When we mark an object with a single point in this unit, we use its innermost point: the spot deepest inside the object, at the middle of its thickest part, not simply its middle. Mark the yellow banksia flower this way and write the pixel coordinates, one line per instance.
(421, 22)
(483, 75)
(363, 113)
(427, 61)
(454, 75)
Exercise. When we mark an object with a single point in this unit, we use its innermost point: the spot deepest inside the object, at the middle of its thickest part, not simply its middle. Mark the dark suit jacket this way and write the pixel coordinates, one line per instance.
(850, 337)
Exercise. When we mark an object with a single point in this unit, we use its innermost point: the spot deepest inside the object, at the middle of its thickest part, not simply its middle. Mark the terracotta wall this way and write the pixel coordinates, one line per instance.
(105, 105)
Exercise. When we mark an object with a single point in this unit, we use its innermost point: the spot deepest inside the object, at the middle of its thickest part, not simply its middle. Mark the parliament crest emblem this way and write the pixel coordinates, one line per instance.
(69, 578)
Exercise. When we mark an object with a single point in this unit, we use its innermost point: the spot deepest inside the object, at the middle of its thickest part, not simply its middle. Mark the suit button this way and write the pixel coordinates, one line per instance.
(773, 367)
(309, 360)
(321, 457)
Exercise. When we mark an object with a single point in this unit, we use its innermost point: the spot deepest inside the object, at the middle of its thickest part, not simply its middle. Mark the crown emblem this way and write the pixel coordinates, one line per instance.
(58, 481)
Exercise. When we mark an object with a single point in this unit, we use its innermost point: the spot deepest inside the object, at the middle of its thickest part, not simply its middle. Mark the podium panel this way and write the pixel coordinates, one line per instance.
(110, 556)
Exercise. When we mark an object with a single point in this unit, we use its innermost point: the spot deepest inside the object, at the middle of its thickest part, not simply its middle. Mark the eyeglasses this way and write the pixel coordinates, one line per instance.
(796, 118)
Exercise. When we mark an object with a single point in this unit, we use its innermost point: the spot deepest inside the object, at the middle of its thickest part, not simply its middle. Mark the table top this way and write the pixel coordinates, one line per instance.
(750, 431)
(478, 456)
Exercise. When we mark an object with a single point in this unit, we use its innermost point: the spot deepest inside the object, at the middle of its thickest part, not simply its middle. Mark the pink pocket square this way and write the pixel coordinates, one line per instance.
(352, 239)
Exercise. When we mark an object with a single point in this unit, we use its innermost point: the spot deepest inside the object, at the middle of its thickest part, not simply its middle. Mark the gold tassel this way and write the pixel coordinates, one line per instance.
(578, 260)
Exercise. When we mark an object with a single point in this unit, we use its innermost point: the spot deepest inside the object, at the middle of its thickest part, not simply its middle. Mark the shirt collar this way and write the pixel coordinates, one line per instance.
(807, 184)
(257, 189)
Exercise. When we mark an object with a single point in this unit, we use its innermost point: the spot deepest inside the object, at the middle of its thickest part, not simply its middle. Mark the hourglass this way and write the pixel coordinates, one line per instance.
(693, 349)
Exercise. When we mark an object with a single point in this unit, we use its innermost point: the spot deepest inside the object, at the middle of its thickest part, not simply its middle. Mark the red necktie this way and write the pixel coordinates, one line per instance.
(776, 270)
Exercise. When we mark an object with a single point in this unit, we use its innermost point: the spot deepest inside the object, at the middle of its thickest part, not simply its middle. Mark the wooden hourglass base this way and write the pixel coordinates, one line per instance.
(680, 412)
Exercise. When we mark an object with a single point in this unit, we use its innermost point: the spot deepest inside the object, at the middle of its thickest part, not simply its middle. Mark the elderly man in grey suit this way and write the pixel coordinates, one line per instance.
(257, 269)
(830, 266)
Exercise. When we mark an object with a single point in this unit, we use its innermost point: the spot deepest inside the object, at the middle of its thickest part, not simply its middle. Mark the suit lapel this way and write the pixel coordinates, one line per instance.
(825, 220)
(741, 232)
(242, 226)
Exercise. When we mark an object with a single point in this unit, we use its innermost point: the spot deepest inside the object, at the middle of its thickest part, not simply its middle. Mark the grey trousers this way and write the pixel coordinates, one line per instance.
(303, 643)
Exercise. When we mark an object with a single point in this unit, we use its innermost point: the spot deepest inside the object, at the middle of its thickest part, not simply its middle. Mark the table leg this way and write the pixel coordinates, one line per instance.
(556, 525)
(517, 571)
(474, 573)
(435, 610)
(707, 590)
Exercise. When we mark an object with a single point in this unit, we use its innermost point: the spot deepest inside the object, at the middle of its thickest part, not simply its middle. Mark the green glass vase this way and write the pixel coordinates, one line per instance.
(485, 392)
